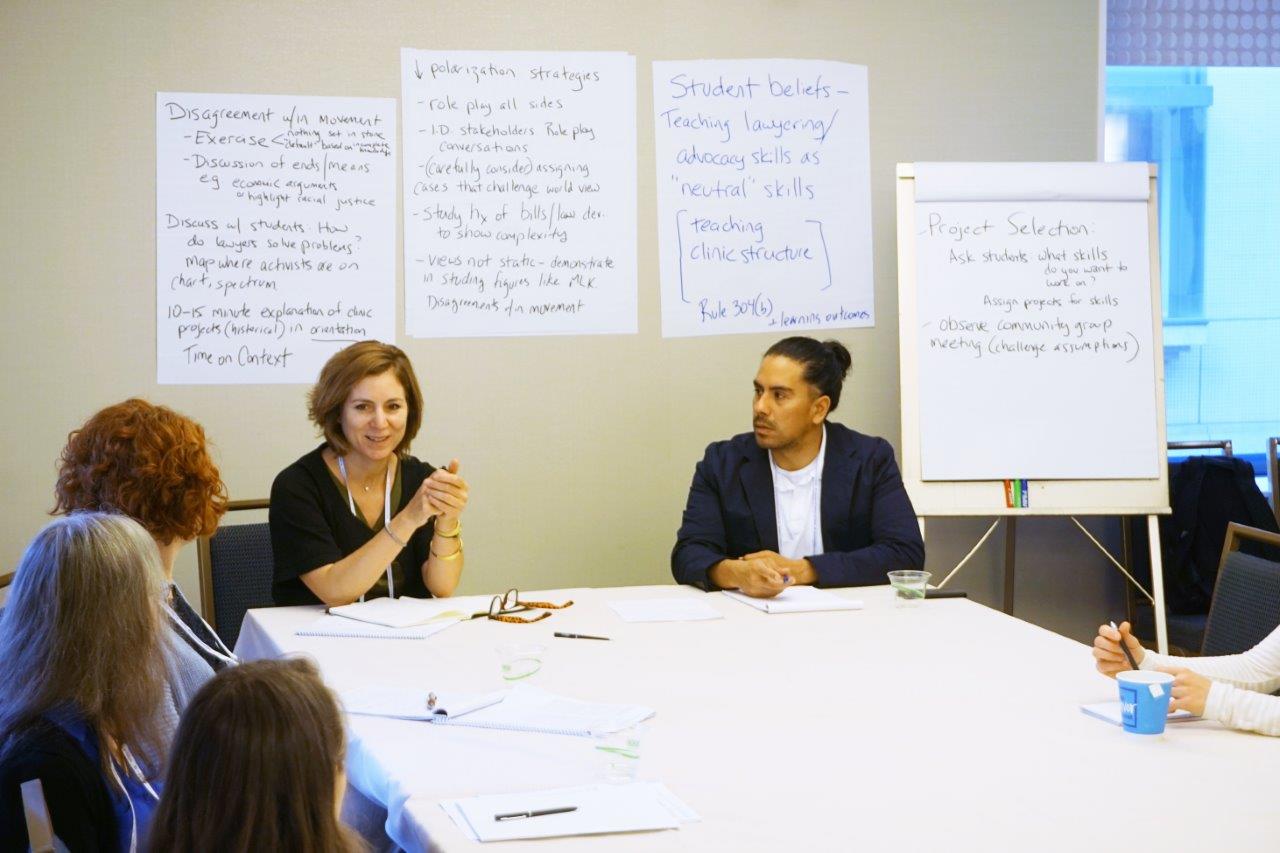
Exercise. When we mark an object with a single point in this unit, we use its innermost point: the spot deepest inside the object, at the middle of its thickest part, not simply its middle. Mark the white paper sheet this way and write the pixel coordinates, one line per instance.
(275, 233)
(519, 193)
(1035, 336)
(1109, 712)
(601, 809)
(664, 610)
(526, 708)
(764, 195)
(797, 599)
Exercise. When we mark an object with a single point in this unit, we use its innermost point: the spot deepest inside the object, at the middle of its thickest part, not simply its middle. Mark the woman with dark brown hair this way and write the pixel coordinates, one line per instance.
(81, 639)
(358, 516)
(257, 766)
(152, 464)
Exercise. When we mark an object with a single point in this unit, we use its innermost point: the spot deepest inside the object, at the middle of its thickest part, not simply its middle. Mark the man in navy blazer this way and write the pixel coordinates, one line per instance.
(799, 500)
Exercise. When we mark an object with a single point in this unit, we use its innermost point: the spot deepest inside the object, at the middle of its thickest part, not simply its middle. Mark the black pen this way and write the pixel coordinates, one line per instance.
(579, 636)
(1124, 647)
(537, 813)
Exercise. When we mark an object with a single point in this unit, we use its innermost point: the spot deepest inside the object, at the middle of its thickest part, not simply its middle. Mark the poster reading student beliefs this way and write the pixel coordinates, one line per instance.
(275, 233)
(519, 193)
(764, 205)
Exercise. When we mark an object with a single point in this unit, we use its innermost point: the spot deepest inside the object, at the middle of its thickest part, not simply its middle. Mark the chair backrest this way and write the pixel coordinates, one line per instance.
(1273, 473)
(236, 570)
(1246, 599)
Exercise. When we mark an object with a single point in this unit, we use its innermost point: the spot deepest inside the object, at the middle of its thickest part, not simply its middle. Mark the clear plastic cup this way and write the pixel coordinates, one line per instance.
(619, 754)
(520, 661)
(908, 587)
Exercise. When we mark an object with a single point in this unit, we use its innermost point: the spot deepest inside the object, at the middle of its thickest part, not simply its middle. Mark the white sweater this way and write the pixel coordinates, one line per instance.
(1238, 696)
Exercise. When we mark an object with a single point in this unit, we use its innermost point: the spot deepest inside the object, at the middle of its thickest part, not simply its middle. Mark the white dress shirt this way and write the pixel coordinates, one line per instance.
(797, 501)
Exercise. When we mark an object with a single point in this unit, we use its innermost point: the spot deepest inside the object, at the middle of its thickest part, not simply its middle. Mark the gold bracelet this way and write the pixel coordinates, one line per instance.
(452, 556)
(457, 531)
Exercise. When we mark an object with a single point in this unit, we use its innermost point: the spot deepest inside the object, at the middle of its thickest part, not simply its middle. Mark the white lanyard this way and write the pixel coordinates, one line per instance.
(137, 773)
(222, 653)
(386, 515)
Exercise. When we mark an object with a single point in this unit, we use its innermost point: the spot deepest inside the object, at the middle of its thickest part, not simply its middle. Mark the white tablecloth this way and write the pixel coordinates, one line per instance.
(950, 726)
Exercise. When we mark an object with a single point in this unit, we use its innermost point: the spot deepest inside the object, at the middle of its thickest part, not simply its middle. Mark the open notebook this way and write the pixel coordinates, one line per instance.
(523, 709)
(798, 599)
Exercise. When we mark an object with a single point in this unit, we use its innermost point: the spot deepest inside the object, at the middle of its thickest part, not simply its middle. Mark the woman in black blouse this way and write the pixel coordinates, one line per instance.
(358, 516)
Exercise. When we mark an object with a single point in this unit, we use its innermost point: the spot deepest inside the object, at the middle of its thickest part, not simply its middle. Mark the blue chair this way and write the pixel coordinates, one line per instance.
(236, 570)
(1246, 597)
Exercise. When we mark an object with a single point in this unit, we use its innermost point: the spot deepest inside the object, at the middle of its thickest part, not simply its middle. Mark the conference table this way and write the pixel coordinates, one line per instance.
(944, 726)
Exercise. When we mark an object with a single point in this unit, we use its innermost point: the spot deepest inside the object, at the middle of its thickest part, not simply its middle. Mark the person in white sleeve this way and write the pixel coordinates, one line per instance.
(1232, 689)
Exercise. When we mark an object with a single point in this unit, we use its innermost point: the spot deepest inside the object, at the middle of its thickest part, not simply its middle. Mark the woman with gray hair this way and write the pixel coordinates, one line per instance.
(81, 641)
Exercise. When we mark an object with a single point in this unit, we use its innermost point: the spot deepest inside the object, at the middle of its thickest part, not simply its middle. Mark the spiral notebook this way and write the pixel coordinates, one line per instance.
(411, 703)
(521, 709)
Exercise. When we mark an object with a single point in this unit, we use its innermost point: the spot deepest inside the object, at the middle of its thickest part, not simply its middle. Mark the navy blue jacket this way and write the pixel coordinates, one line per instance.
(868, 524)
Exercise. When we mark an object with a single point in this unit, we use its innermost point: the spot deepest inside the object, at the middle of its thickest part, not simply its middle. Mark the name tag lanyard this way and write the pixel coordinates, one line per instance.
(137, 773)
(386, 515)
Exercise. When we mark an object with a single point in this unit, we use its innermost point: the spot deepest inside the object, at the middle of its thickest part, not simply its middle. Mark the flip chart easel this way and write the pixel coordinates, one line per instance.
(993, 206)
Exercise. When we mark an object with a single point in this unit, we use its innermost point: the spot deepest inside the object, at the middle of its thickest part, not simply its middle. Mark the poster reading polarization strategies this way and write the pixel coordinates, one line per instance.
(275, 234)
(764, 211)
(519, 193)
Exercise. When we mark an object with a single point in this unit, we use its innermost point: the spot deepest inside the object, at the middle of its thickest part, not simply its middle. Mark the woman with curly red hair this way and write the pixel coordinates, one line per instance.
(151, 464)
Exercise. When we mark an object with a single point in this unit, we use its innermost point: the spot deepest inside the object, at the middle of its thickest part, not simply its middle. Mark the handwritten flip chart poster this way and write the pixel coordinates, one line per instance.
(275, 233)
(519, 193)
(1035, 321)
(764, 206)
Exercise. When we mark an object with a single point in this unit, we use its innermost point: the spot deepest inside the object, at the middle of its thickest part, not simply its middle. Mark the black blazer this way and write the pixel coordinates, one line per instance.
(868, 524)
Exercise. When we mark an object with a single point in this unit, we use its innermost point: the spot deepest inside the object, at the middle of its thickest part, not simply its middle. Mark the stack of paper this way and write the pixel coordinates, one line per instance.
(664, 610)
(798, 599)
(597, 809)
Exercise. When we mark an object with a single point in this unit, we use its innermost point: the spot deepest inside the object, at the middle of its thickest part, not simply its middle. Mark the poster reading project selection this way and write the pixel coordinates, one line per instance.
(519, 193)
(764, 204)
(275, 234)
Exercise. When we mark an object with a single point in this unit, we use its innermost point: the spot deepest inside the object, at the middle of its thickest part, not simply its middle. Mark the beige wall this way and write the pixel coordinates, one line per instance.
(579, 450)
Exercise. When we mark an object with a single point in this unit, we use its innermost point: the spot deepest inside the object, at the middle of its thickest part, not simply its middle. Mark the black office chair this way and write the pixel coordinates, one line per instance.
(1246, 598)
(1273, 474)
(1185, 630)
(235, 572)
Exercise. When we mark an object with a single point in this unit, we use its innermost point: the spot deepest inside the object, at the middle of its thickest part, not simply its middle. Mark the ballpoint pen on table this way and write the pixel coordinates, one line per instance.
(578, 636)
(534, 813)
